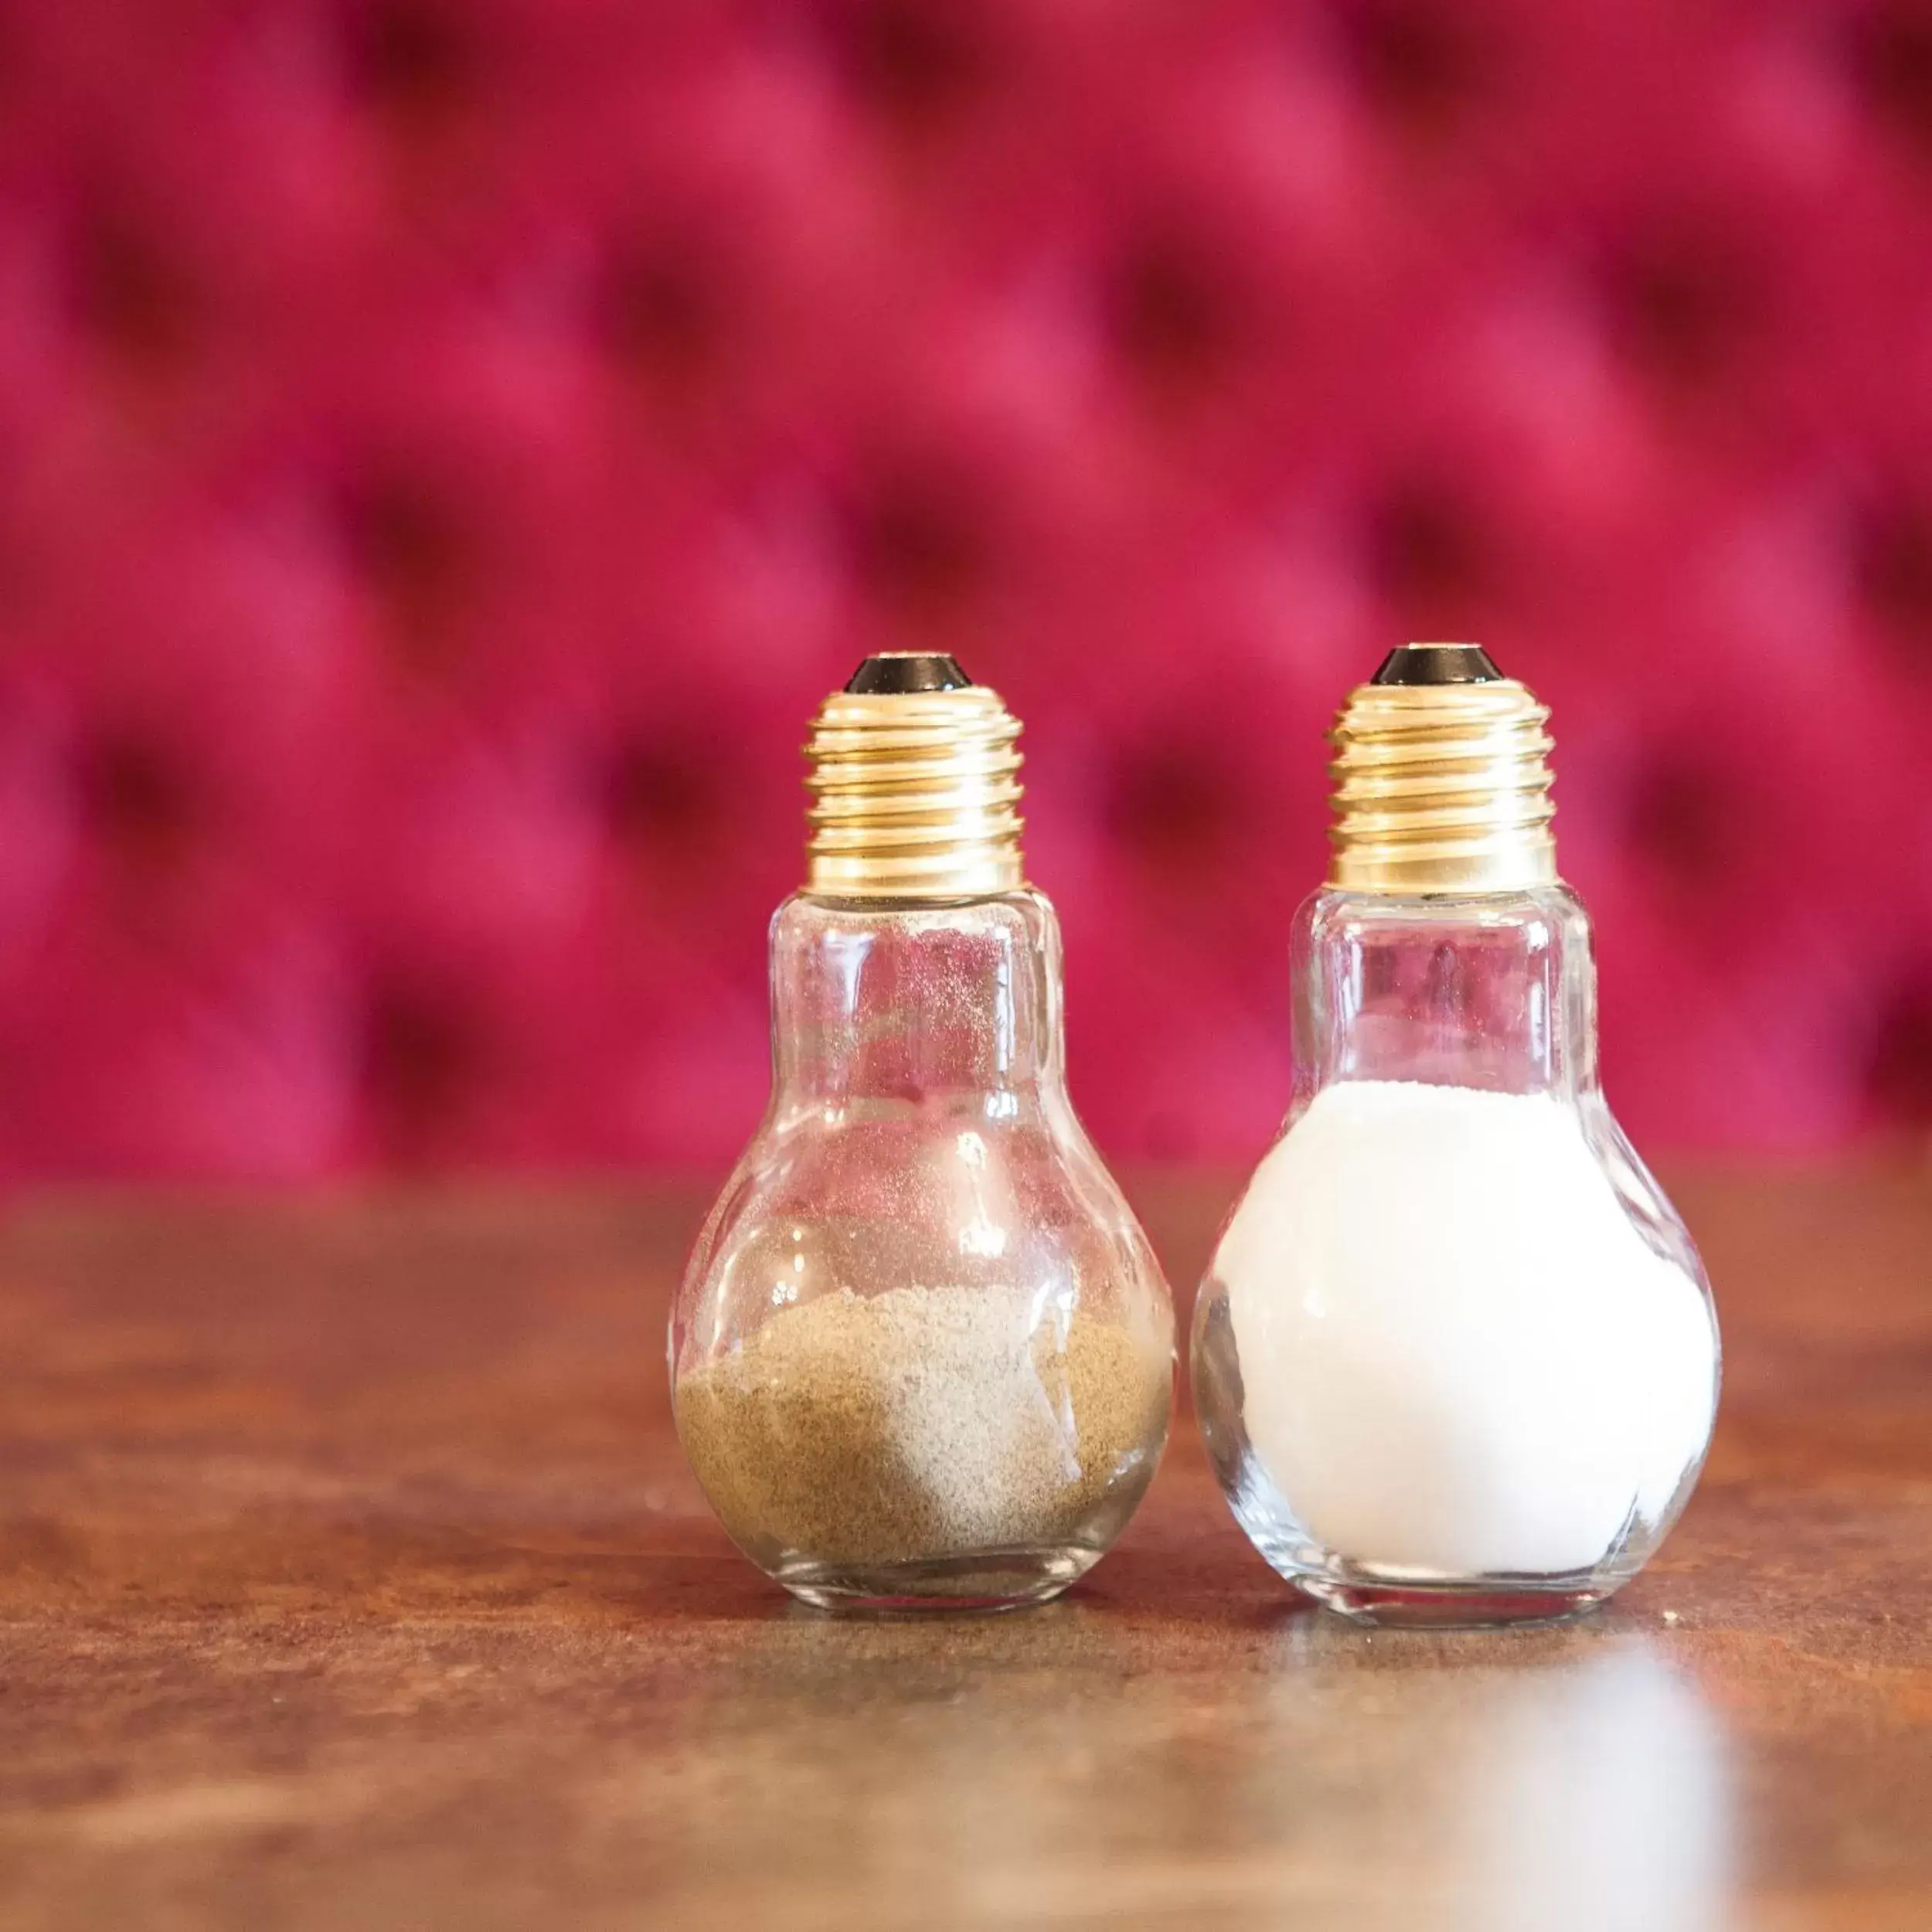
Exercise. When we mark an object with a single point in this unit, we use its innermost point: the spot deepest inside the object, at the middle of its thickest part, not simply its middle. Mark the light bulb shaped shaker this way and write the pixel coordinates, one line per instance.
(923, 1355)
(1455, 1358)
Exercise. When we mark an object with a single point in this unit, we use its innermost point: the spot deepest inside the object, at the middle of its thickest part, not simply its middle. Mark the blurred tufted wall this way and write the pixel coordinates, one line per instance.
(447, 447)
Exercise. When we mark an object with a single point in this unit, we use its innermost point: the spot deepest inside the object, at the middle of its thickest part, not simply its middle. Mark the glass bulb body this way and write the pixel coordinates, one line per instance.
(1455, 1358)
(923, 1354)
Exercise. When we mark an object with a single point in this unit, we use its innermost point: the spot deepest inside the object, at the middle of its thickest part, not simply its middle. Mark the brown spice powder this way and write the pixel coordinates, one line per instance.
(925, 1422)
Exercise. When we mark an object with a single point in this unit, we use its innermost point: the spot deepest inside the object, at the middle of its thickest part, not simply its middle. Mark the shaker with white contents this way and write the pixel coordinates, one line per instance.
(1455, 1358)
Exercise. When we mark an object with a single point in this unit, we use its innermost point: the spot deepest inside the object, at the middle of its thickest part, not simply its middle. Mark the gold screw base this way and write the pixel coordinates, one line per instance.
(915, 795)
(1442, 788)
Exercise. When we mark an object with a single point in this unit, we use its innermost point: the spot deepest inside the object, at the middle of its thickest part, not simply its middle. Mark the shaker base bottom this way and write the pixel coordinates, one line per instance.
(986, 1580)
(1449, 1606)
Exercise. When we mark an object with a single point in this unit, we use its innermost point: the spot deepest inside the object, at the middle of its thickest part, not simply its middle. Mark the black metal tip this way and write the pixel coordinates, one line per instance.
(895, 674)
(1436, 664)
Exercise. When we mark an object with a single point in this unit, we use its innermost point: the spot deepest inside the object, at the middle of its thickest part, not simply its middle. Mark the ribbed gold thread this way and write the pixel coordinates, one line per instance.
(1442, 788)
(915, 795)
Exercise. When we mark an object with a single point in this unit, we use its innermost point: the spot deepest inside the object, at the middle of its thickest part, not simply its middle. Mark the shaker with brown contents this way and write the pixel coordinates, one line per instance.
(923, 1355)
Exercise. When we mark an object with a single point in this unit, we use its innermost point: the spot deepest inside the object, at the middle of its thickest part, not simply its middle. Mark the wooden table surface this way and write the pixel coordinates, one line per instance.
(352, 1579)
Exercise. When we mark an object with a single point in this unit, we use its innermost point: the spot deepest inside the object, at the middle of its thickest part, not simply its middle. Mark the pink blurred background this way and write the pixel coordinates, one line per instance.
(447, 448)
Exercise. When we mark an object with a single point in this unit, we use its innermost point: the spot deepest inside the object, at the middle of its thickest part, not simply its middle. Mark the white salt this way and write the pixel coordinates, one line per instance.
(1458, 1355)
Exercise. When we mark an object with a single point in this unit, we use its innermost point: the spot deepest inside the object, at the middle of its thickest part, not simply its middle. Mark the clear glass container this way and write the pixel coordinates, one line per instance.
(1455, 1360)
(923, 1354)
